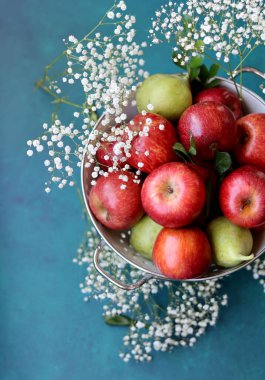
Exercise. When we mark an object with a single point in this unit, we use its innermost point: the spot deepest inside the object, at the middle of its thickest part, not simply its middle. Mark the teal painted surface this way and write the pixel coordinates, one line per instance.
(47, 331)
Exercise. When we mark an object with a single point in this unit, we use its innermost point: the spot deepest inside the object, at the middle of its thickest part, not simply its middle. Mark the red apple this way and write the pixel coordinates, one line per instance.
(221, 95)
(209, 175)
(182, 253)
(113, 205)
(173, 195)
(251, 143)
(205, 172)
(242, 196)
(212, 126)
(110, 152)
(153, 146)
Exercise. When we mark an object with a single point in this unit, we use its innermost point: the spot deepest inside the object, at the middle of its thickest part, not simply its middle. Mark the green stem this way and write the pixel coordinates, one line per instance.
(233, 80)
(40, 84)
(240, 64)
(241, 76)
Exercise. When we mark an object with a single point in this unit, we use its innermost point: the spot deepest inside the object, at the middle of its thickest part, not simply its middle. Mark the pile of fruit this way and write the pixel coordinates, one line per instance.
(194, 164)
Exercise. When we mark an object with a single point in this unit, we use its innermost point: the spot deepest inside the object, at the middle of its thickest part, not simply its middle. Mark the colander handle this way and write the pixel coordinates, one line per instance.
(114, 280)
(249, 69)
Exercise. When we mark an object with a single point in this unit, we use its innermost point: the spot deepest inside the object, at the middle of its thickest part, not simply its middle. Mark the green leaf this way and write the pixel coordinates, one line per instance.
(193, 74)
(196, 61)
(181, 152)
(204, 74)
(192, 149)
(213, 83)
(118, 320)
(223, 162)
(179, 147)
(213, 70)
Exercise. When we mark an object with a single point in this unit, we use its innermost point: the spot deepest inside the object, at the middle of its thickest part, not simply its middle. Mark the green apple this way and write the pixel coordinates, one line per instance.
(143, 236)
(231, 244)
(169, 95)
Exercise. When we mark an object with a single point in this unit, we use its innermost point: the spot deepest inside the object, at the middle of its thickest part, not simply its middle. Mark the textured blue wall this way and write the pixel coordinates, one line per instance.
(47, 331)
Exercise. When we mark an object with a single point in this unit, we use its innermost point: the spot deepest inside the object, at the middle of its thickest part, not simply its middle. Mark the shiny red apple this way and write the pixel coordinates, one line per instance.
(250, 149)
(221, 95)
(112, 152)
(212, 126)
(153, 145)
(115, 200)
(173, 195)
(242, 196)
(182, 253)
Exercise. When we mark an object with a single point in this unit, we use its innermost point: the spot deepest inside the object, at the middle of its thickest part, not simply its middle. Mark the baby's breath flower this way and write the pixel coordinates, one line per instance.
(190, 308)
(225, 27)
(108, 67)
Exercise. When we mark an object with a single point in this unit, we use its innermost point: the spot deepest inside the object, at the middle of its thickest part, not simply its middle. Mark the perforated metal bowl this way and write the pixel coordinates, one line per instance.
(252, 104)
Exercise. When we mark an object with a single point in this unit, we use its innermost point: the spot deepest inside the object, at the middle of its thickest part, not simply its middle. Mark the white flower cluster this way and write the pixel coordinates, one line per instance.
(111, 65)
(226, 27)
(160, 315)
(108, 63)
(258, 270)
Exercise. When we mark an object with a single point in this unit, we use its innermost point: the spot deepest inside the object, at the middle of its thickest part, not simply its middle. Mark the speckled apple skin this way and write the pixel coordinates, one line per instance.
(242, 197)
(251, 142)
(156, 148)
(182, 253)
(212, 126)
(173, 195)
(221, 95)
(116, 208)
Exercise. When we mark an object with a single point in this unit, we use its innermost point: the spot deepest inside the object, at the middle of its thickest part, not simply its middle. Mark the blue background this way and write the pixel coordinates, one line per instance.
(47, 331)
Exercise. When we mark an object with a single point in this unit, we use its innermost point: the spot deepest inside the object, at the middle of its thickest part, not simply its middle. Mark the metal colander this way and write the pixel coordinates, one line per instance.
(120, 244)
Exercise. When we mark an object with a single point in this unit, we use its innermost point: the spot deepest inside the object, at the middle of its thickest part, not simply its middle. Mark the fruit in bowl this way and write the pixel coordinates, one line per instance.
(115, 200)
(212, 126)
(173, 195)
(251, 143)
(242, 196)
(153, 144)
(182, 253)
(164, 94)
(186, 188)
(231, 244)
(221, 95)
(143, 236)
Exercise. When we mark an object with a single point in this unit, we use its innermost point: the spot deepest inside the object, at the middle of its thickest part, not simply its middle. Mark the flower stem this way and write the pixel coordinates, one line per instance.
(41, 84)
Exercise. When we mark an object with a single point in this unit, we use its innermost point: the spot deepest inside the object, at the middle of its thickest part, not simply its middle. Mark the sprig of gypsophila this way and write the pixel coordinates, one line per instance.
(215, 29)
(160, 315)
(107, 63)
(258, 271)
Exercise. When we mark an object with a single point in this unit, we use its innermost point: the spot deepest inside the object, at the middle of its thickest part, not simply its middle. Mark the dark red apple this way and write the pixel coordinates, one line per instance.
(209, 175)
(250, 149)
(110, 152)
(153, 146)
(221, 95)
(212, 126)
(182, 253)
(242, 196)
(205, 172)
(113, 205)
(173, 195)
